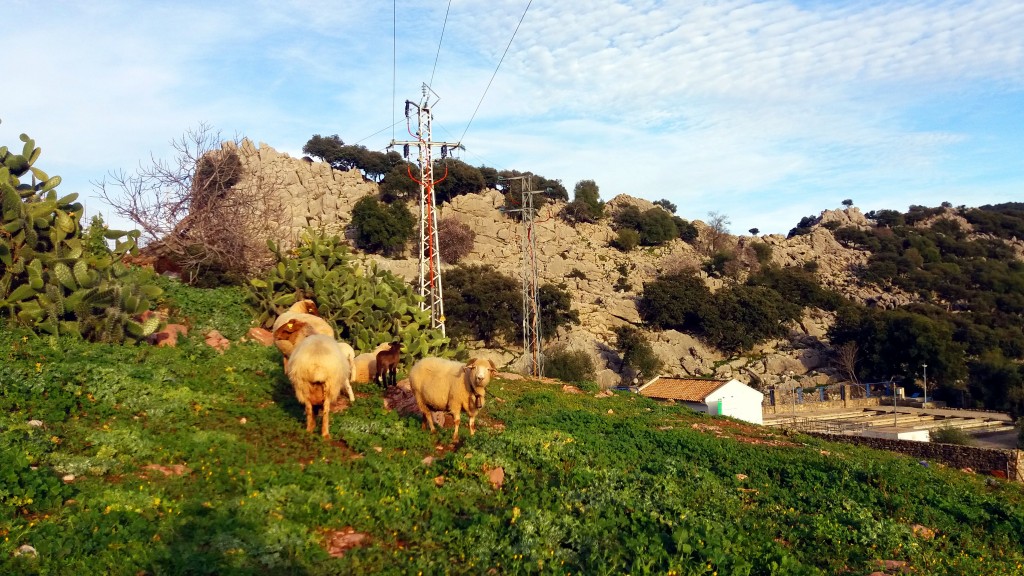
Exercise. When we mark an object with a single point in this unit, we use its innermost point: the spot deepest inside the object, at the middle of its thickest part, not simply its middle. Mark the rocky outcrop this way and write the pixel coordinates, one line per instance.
(604, 282)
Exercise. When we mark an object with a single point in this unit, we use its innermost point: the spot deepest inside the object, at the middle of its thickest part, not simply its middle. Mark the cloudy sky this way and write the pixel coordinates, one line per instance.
(765, 111)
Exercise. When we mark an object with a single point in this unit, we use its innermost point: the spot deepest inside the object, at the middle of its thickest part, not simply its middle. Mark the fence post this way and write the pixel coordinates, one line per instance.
(821, 393)
(867, 390)
(800, 395)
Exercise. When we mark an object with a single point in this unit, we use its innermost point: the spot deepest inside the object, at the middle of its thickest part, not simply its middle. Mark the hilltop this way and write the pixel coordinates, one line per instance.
(606, 283)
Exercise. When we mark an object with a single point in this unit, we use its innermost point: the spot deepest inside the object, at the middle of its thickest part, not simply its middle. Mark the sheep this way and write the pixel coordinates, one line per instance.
(441, 384)
(365, 366)
(386, 373)
(318, 370)
(291, 327)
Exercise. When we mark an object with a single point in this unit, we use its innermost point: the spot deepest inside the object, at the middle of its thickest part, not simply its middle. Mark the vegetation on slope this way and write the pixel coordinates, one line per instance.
(185, 460)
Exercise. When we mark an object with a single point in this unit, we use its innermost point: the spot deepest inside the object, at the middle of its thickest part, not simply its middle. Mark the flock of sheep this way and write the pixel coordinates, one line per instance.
(319, 367)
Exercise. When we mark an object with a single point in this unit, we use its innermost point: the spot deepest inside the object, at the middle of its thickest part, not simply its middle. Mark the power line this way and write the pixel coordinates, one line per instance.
(443, 26)
(378, 132)
(471, 118)
(394, 65)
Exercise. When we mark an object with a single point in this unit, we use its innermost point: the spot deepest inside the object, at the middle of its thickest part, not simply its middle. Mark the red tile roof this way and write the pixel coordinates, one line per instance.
(682, 389)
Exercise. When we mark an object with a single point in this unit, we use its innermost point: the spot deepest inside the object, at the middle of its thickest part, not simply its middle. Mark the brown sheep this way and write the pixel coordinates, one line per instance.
(318, 370)
(365, 367)
(386, 373)
(441, 384)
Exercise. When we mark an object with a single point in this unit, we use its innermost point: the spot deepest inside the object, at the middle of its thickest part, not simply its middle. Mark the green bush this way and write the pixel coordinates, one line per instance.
(52, 279)
(367, 306)
(951, 435)
(626, 239)
(763, 252)
(482, 304)
(674, 302)
(637, 352)
(569, 366)
(383, 229)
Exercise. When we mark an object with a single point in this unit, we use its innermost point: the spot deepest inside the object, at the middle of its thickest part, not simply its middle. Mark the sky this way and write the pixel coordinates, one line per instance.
(762, 111)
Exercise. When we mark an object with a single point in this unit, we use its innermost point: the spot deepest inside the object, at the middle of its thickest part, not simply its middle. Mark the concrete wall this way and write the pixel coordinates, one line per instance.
(1002, 463)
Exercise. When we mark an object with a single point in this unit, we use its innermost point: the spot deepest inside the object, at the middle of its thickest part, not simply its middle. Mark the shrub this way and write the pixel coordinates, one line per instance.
(383, 229)
(455, 239)
(687, 231)
(636, 351)
(674, 302)
(482, 303)
(667, 205)
(555, 309)
(52, 279)
(397, 185)
(626, 239)
(367, 306)
(717, 265)
(569, 366)
(763, 252)
(951, 435)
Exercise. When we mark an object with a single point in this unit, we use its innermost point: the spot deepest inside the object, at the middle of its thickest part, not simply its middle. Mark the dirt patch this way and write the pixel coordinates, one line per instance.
(172, 470)
(338, 542)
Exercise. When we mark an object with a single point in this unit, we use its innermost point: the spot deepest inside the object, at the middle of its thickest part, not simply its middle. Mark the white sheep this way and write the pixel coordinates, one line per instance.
(291, 327)
(365, 366)
(441, 384)
(318, 370)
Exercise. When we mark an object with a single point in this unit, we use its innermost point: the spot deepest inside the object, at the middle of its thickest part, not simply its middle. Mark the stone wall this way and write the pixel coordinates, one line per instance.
(1002, 463)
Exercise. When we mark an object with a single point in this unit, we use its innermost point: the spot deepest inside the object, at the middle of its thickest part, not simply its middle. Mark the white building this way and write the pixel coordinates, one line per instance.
(716, 397)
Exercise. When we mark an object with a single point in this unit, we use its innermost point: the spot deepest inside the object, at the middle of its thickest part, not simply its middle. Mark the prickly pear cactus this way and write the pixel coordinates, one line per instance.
(367, 306)
(48, 281)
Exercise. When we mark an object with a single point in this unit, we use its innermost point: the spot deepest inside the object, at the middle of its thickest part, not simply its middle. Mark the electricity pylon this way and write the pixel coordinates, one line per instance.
(430, 258)
(531, 287)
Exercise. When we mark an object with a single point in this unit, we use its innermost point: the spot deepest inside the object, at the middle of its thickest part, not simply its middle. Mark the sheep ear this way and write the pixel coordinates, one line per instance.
(289, 329)
(493, 367)
(311, 308)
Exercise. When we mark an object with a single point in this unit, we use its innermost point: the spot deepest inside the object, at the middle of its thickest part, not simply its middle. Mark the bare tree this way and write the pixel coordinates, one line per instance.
(200, 210)
(845, 360)
(717, 233)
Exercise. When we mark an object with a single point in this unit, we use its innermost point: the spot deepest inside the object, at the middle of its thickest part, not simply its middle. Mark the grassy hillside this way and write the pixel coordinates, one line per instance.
(186, 461)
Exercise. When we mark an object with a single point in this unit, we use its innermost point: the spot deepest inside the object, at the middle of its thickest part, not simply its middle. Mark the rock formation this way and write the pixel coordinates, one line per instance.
(603, 281)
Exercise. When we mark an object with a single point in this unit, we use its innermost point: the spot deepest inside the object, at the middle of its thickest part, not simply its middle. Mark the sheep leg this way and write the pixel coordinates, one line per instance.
(427, 415)
(472, 424)
(348, 389)
(457, 414)
(310, 421)
(325, 430)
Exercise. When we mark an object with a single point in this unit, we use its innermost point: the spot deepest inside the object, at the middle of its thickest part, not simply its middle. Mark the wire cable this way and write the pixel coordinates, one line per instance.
(496, 70)
(394, 65)
(443, 26)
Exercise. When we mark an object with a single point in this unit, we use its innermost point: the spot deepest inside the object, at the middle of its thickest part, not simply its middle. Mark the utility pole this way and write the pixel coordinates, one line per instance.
(430, 258)
(531, 286)
(925, 404)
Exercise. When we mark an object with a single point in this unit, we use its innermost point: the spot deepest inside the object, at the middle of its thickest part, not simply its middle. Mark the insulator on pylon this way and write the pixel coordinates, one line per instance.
(407, 105)
(405, 150)
(444, 151)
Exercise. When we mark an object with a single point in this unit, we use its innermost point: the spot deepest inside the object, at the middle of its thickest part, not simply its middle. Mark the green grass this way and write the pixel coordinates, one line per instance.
(616, 485)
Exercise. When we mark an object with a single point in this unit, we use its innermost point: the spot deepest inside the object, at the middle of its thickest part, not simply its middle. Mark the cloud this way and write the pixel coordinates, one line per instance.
(766, 110)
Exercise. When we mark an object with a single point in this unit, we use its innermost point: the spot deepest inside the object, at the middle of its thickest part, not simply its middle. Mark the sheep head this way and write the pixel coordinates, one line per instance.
(478, 372)
(293, 331)
(306, 306)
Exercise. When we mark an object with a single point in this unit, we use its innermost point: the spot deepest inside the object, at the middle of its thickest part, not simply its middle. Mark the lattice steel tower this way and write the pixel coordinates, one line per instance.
(534, 361)
(430, 258)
